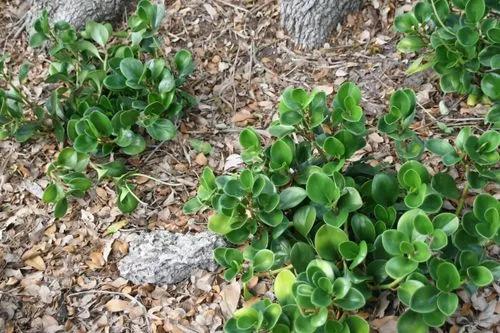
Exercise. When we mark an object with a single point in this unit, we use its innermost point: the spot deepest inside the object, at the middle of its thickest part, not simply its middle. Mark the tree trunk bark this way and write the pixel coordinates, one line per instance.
(78, 12)
(310, 22)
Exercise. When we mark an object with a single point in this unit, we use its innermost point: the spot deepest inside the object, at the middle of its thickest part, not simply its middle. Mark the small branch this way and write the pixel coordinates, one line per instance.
(155, 179)
(276, 271)
(465, 191)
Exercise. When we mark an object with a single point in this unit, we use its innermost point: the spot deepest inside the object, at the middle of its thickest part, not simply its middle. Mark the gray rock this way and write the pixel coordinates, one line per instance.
(163, 257)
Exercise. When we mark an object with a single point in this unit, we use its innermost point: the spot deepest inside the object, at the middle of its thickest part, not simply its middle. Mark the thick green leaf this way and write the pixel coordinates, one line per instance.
(385, 189)
(328, 240)
(475, 10)
(411, 322)
(291, 197)
(434, 319)
(424, 299)
(490, 85)
(448, 222)
(301, 255)
(392, 239)
(115, 82)
(407, 289)
(26, 131)
(467, 36)
(249, 139)
(136, 146)
(37, 39)
(352, 301)
(405, 22)
(101, 122)
(184, 63)
(423, 224)
(283, 287)
(439, 146)
(357, 324)
(445, 185)
(61, 207)
(132, 69)
(167, 82)
(410, 44)
(399, 266)
(322, 189)
(85, 144)
(263, 260)
(447, 303)
(98, 32)
(303, 219)
(220, 224)
(480, 275)
(448, 278)
(52, 193)
(281, 154)
(162, 130)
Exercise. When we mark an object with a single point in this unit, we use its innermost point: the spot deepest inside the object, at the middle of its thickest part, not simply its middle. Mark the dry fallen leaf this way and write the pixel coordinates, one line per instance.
(230, 297)
(201, 159)
(117, 305)
(115, 227)
(96, 260)
(36, 262)
(241, 116)
(385, 325)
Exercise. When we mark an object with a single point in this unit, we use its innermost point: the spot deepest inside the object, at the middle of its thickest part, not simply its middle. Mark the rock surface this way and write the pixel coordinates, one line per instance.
(163, 257)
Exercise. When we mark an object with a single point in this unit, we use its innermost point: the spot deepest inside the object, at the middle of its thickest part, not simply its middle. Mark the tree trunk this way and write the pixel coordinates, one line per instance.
(310, 22)
(78, 12)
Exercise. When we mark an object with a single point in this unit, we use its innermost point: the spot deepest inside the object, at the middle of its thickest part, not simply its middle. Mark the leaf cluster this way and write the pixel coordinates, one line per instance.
(478, 154)
(333, 233)
(112, 92)
(460, 40)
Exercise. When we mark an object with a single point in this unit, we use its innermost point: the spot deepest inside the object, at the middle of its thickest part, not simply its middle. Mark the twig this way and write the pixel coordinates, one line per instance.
(461, 201)
(153, 152)
(233, 6)
(132, 299)
(17, 32)
(425, 110)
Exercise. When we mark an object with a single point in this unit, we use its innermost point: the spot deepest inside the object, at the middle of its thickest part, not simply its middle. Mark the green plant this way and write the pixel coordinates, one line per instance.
(478, 155)
(333, 234)
(460, 40)
(112, 91)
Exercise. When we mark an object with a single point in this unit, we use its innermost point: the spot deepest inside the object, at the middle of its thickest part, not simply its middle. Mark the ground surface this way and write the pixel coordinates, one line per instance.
(61, 275)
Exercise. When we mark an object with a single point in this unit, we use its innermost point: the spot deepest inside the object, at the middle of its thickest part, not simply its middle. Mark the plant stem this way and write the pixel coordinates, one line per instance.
(134, 195)
(276, 271)
(153, 178)
(439, 19)
(465, 191)
(389, 285)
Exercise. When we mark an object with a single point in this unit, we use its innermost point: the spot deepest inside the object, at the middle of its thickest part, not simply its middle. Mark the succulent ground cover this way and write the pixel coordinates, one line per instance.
(62, 274)
(337, 233)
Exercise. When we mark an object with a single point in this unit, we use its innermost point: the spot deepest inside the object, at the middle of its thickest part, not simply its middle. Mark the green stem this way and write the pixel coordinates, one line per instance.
(390, 285)
(134, 195)
(439, 19)
(276, 271)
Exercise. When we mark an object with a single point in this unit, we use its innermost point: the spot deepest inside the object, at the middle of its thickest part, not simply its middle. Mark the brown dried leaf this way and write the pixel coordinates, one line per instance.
(117, 305)
(36, 262)
(230, 297)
